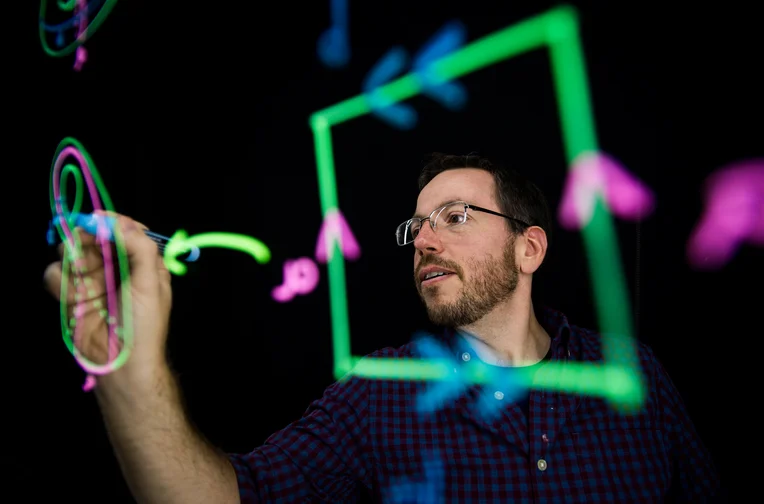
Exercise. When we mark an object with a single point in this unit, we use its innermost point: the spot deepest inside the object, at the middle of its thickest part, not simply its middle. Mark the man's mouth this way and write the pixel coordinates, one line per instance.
(434, 276)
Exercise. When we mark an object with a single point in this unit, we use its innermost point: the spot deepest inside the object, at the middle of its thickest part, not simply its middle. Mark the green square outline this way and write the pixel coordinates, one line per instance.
(620, 378)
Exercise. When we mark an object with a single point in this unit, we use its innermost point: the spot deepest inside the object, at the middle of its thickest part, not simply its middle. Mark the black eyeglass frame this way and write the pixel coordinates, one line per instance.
(467, 206)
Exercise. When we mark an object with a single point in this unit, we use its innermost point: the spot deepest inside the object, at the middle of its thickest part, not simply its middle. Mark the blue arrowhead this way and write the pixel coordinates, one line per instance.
(333, 47)
(396, 114)
(502, 380)
(451, 95)
(441, 391)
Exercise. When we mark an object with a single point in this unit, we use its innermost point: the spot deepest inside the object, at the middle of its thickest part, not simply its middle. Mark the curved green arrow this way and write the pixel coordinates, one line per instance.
(180, 243)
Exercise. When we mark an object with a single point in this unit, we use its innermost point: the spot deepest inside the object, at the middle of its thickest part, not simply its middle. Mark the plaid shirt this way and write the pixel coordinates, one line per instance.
(568, 448)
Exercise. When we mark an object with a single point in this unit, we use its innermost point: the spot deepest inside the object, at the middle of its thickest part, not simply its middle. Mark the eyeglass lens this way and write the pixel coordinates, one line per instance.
(449, 216)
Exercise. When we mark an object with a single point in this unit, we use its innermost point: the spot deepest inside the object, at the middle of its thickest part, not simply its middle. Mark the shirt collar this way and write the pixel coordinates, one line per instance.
(554, 322)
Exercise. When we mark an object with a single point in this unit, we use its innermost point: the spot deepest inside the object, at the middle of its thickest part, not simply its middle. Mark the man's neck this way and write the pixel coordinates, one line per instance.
(510, 334)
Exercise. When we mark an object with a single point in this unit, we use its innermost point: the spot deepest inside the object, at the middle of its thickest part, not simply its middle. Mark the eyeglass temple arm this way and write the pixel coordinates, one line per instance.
(481, 209)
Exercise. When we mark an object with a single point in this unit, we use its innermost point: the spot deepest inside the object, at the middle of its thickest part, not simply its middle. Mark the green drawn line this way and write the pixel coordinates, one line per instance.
(619, 380)
(93, 25)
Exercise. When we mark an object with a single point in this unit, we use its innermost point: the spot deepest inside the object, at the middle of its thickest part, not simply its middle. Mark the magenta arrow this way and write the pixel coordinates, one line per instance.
(336, 229)
(626, 196)
(733, 214)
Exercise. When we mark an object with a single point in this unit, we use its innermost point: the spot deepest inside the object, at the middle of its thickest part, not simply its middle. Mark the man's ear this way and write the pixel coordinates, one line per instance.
(532, 250)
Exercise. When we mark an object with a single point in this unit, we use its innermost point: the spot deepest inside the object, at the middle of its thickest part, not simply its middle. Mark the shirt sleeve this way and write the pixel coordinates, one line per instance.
(694, 476)
(322, 457)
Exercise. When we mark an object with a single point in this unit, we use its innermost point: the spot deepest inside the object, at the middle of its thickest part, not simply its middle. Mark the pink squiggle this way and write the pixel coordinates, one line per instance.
(733, 214)
(300, 277)
(81, 55)
(597, 173)
(103, 241)
(336, 229)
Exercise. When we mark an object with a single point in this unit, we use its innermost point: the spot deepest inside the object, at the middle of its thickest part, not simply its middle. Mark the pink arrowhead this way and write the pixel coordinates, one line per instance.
(597, 173)
(336, 228)
(733, 214)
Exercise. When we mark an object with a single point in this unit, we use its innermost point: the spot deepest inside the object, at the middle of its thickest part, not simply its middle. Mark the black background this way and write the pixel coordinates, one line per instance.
(197, 118)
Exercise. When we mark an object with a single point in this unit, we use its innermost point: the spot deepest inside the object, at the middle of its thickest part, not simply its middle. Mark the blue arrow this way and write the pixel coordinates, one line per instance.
(440, 391)
(333, 45)
(396, 114)
(428, 488)
(451, 95)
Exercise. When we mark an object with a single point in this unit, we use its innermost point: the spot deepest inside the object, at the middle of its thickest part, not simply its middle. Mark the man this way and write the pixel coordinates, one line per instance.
(479, 233)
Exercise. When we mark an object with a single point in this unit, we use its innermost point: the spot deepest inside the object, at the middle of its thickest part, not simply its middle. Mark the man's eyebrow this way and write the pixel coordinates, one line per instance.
(442, 203)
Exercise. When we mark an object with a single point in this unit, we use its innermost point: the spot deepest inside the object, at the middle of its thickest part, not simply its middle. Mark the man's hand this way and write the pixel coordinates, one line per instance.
(150, 291)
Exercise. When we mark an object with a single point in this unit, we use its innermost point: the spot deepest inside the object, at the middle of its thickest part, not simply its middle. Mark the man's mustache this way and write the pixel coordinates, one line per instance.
(433, 261)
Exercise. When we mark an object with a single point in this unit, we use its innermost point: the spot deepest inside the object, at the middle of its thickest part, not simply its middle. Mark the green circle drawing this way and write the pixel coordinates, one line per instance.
(87, 175)
(68, 6)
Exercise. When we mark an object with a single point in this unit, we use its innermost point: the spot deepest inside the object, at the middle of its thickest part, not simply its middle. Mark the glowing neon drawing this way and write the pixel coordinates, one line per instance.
(442, 391)
(391, 64)
(119, 325)
(619, 379)
(83, 28)
(597, 173)
(180, 243)
(93, 224)
(81, 55)
(511, 384)
(429, 488)
(336, 230)
(733, 215)
(449, 94)
(300, 277)
(334, 44)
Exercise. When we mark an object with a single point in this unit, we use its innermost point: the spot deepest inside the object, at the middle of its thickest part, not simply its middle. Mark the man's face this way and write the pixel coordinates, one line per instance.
(478, 255)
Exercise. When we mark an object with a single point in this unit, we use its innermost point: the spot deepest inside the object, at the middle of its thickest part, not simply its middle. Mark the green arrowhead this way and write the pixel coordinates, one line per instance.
(176, 246)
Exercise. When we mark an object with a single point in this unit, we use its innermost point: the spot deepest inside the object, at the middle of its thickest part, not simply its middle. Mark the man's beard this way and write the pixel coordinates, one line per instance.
(493, 281)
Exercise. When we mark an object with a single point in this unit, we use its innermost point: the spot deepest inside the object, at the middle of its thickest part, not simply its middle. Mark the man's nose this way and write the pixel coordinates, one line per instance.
(427, 239)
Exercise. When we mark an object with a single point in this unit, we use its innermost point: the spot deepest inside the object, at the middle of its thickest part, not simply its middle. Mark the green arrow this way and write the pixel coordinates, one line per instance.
(180, 243)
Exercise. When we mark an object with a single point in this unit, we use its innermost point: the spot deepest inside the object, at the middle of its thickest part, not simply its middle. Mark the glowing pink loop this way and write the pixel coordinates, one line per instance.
(336, 229)
(733, 214)
(111, 300)
(300, 277)
(595, 174)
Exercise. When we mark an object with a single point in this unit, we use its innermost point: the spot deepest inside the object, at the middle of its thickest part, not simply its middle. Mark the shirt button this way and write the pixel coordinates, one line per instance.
(465, 356)
(541, 464)
(499, 395)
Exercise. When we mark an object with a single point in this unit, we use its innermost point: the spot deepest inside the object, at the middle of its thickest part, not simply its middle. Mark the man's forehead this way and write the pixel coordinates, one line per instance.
(462, 184)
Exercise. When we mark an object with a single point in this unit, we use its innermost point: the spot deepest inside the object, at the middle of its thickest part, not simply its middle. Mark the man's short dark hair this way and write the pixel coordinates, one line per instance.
(517, 196)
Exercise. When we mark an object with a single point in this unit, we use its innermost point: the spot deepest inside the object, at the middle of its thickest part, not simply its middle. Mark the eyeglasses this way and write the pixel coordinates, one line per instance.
(449, 216)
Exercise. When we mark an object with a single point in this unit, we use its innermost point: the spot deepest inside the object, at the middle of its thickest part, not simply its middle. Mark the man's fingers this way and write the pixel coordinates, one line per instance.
(52, 279)
(147, 268)
(80, 238)
(141, 252)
